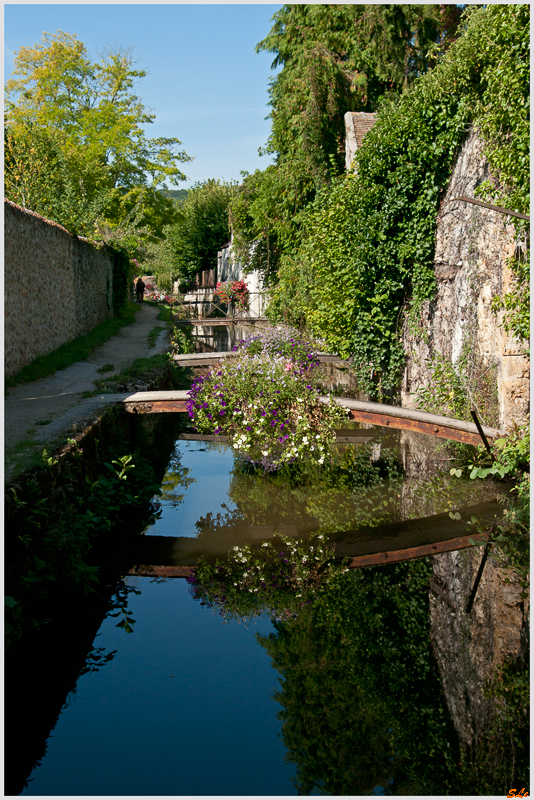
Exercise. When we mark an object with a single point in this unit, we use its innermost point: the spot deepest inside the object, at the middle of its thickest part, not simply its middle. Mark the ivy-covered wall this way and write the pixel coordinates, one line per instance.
(459, 325)
(57, 286)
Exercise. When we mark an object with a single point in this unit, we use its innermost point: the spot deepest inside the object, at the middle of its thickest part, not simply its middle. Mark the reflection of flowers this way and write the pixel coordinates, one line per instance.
(280, 577)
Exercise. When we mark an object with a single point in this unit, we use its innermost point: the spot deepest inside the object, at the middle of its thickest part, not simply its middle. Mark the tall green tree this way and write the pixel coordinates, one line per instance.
(75, 145)
(334, 58)
(190, 244)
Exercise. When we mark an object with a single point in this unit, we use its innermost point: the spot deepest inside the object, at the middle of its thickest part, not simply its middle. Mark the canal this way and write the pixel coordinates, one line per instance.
(275, 670)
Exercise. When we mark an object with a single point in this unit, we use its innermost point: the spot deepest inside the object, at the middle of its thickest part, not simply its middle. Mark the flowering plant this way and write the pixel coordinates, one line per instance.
(159, 297)
(264, 402)
(280, 577)
(233, 290)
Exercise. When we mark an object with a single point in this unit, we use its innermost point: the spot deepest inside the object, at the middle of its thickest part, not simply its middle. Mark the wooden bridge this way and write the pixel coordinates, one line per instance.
(358, 410)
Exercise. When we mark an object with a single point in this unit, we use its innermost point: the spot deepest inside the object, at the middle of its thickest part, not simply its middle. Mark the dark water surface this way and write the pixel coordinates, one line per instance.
(183, 708)
(174, 699)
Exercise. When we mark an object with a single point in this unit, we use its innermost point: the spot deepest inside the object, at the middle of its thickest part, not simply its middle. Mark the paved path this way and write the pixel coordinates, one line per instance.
(57, 400)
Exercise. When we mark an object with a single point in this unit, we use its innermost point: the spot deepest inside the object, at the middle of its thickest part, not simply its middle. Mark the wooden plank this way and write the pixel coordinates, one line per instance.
(361, 411)
(396, 417)
(364, 547)
(409, 553)
(442, 432)
(358, 562)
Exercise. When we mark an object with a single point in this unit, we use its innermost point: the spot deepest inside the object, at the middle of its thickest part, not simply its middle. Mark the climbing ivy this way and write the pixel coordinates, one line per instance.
(367, 248)
(121, 277)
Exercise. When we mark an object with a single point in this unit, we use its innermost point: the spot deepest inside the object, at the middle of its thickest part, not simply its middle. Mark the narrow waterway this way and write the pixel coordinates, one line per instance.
(280, 675)
(179, 696)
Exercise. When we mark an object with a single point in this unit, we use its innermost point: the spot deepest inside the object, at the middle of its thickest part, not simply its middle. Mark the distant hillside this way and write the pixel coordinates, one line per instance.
(178, 195)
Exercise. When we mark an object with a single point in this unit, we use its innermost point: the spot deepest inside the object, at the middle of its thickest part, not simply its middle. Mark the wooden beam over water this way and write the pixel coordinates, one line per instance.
(358, 410)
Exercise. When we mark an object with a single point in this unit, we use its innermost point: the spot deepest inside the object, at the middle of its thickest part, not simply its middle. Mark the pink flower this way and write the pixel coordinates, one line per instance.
(288, 367)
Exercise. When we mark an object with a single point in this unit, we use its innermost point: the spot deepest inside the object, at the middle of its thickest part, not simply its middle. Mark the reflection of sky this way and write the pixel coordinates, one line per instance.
(185, 708)
(212, 475)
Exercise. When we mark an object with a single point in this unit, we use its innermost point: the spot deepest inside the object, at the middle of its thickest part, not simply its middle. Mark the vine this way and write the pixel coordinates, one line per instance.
(367, 250)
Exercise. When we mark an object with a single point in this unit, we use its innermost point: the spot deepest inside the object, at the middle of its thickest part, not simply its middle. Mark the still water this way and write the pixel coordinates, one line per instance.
(184, 708)
(343, 697)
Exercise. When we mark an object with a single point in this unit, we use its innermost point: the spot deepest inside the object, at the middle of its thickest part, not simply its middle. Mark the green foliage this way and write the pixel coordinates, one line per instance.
(182, 341)
(511, 461)
(191, 243)
(362, 704)
(75, 146)
(516, 303)
(511, 457)
(334, 58)
(368, 242)
(57, 513)
(122, 278)
(454, 389)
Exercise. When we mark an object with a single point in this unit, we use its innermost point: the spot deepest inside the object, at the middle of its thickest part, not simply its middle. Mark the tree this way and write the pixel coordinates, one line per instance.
(334, 58)
(75, 146)
(190, 244)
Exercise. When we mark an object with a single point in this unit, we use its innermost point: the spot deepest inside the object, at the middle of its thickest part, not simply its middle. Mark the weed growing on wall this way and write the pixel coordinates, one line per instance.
(454, 389)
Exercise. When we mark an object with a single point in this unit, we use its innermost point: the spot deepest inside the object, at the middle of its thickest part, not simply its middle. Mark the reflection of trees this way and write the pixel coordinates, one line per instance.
(176, 477)
(360, 693)
(347, 491)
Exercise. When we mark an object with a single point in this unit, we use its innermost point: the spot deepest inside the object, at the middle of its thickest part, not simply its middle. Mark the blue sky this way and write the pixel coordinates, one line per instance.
(206, 85)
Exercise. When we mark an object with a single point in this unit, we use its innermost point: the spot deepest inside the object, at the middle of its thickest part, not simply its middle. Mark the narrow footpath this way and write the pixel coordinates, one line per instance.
(43, 412)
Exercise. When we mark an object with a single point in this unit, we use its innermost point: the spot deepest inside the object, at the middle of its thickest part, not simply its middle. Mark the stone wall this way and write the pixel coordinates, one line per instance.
(470, 647)
(472, 245)
(57, 286)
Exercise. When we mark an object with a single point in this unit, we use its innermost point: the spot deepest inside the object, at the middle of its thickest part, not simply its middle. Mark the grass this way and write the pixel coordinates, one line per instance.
(26, 454)
(154, 334)
(164, 311)
(179, 377)
(77, 350)
(106, 368)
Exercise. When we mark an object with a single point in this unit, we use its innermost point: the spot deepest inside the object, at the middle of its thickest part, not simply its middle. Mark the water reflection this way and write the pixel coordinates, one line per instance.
(219, 338)
(211, 494)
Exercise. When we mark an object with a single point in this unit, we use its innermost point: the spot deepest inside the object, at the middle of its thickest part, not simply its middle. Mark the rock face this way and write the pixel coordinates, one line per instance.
(472, 246)
(469, 647)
